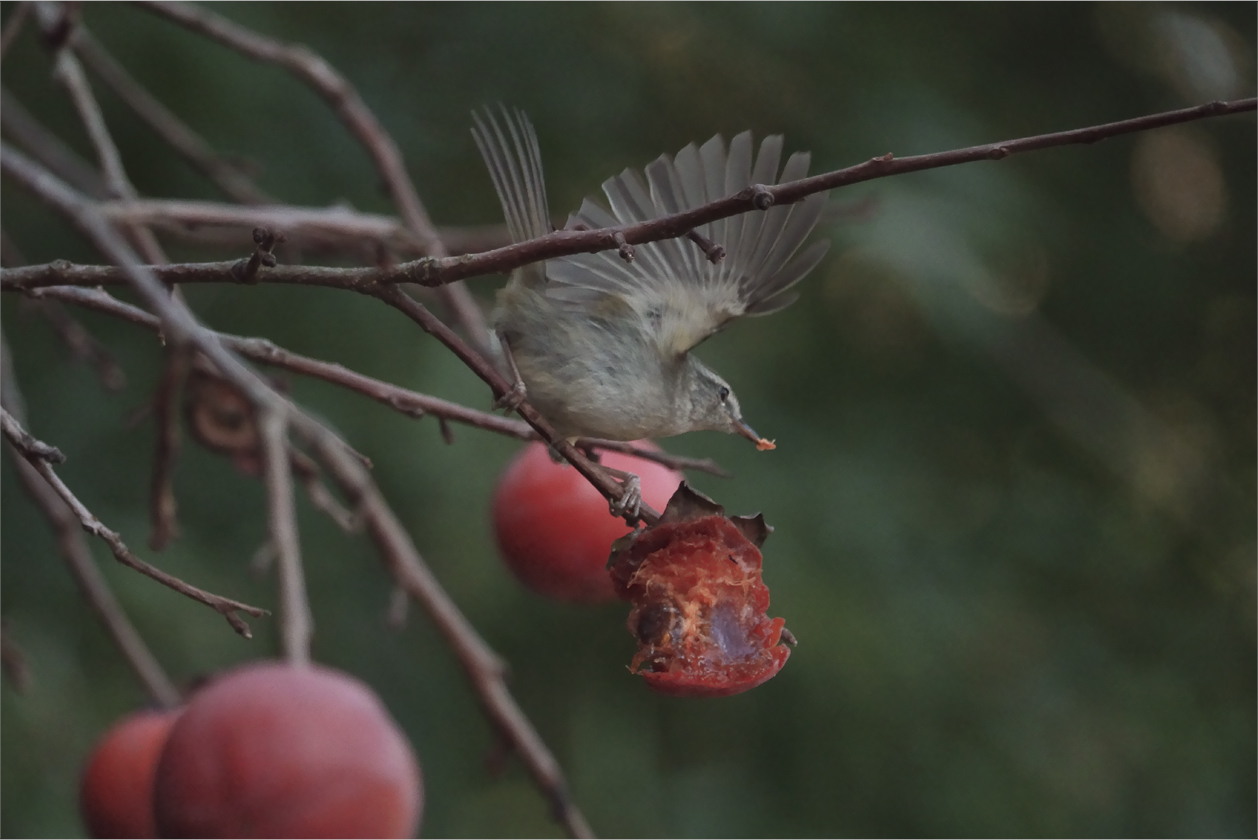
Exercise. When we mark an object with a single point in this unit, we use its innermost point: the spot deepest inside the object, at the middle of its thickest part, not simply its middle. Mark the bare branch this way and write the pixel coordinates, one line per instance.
(320, 76)
(482, 665)
(343, 226)
(99, 300)
(667, 459)
(69, 73)
(83, 567)
(11, 255)
(434, 270)
(334, 88)
(83, 345)
(13, 27)
(179, 325)
(431, 271)
(163, 506)
(27, 446)
(224, 606)
(296, 622)
(408, 402)
(47, 148)
(247, 270)
(307, 472)
(228, 177)
(714, 252)
(13, 660)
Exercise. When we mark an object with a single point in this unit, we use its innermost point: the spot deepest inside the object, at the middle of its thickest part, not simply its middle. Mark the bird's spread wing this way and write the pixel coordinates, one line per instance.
(682, 296)
(514, 161)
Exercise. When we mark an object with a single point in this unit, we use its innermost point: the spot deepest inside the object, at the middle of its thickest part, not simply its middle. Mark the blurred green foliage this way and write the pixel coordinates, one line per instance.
(1015, 485)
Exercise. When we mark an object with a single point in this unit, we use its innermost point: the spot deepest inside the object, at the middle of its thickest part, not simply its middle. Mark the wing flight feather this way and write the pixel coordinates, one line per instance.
(679, 294)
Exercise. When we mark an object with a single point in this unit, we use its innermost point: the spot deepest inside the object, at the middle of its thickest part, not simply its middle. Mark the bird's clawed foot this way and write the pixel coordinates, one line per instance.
(512, 399)
(629, 502)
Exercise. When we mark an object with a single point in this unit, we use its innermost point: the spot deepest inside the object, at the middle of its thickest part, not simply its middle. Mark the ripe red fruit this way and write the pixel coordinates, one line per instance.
(271, 750)
(554, 530)
(700, 607)
(116, 791)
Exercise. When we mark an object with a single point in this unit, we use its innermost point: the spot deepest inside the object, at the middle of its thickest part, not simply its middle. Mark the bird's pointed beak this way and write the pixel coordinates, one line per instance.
(751, 435)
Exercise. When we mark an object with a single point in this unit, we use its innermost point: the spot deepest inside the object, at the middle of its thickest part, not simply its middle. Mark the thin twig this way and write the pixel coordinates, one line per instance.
(27, 446)
(100, 301)
(247, 270)
(69, 73)
(163, 507)
(83, 567)
(11, 255)
(714, 252)
(338, 227)
(667, 459)
(224, 606)
(83, 345)
(13, 660)
(431, 271)
(47, 148)
(180, 326)
(307, 472)
(228, 177)
(483, 667)
(353, 112)
(313, 71)
(296, 622)
(408, 402)
(13, 27)
(399, 608)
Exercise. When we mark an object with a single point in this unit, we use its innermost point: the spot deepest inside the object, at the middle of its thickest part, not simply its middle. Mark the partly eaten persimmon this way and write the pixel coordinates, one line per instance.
(700, 606)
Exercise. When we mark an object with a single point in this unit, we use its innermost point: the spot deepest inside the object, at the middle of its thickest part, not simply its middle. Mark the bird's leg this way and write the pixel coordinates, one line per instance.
(512, 399)
(630, 500)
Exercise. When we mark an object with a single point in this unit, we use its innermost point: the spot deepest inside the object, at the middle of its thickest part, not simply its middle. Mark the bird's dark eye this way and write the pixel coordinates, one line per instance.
(724, 393)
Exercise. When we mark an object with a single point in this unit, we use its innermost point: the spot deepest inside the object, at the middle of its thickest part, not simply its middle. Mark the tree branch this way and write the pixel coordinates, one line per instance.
(78, 556)
(83, 345)
(180, 326)
(224, 606)
(430, 271)
(434, 271)
(13, 27)
(483, 667)
(229, 178)
(163, 507)
(69, 73)
(408, 402)
(316, 73)
(47, 148)
(296, 620)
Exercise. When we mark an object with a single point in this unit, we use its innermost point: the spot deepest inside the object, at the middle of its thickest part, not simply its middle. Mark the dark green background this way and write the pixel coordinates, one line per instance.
(1020, 611)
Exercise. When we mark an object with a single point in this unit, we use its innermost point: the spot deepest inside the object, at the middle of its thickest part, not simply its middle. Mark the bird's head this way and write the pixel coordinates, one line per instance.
(709, 403)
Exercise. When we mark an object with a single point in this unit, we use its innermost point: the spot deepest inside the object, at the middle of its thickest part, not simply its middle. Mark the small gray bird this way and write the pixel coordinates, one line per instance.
(602, 346)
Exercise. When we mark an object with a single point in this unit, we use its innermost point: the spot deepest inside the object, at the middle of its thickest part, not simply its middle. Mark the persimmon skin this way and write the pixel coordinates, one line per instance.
(700, 609)
(272, 750)
(553, 528)
(116, 789)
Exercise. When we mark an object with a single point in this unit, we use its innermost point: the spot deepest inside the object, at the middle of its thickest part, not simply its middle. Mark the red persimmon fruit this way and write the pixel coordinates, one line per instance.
(116, 791)
(553, 528)
(274, 750)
